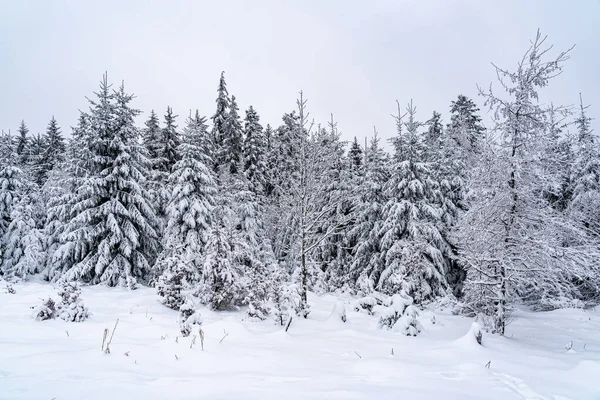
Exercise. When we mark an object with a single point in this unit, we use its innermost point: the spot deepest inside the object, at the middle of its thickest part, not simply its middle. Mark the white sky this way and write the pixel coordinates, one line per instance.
(351, 58)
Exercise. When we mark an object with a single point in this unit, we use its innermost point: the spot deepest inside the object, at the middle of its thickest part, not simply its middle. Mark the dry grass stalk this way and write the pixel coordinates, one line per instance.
(104, 337)
(107, 351)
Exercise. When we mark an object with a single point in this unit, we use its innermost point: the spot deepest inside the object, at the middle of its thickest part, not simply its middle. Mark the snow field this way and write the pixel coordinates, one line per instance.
(319, 358)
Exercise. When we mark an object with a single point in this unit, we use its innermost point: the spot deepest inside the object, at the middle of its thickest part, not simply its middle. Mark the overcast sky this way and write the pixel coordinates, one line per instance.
(351, 58)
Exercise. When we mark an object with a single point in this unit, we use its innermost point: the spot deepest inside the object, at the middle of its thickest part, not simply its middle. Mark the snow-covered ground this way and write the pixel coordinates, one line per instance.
(319, 358)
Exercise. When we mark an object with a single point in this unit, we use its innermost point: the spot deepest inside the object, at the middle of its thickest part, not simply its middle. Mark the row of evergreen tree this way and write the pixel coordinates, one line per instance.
(237, 214)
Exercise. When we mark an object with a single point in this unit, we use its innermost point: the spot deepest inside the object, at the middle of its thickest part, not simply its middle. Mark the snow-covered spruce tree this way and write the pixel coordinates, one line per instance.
(433, 137)
(222, 287)
(459, 150)
(151, 136)
(59, 192)
(162, 166)
(356, 157)
(7, 149)
(335, 187)
(254, 248)
(238, 259)
(189, 215)
(55, 146)
(37, 166)
(511, 239)
(585, 204)
(585, 197)
(283, 158)
(71, 307)
(111, 236)
(465, 128)
(447, 162)
(269, 159)
(233, 139)
(414, 248)
(255, 148)
(22, 244)
(156, 182)
(22, 145)
(558, 151)
(219, 120)
(11, 190)
(282, 162)
(169, 142)
(368, 261)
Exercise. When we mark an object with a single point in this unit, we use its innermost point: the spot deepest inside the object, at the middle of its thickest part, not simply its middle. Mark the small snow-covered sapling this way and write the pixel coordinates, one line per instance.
(71, 307)
(10, 289)
(47, 310)
(188, 317)
(569, 345)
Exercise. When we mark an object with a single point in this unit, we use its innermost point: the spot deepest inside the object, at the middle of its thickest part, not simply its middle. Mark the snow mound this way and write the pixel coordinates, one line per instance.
(473, 338)
(338, 313)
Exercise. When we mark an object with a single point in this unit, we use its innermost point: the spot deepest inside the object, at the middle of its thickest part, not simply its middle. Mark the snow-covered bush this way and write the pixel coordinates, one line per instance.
(71, 307)
(447, 302)
(547, 303)
(259, 309)
(46, 310)
(9, 288)
(188, 317)
(401, 316)
(365, 305)
(408, 324)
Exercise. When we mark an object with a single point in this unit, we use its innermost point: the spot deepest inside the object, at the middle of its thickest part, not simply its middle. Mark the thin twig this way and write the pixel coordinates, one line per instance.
(224, 336)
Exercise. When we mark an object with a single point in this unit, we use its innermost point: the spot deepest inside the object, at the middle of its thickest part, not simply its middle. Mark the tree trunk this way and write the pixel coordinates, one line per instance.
(304, 294)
